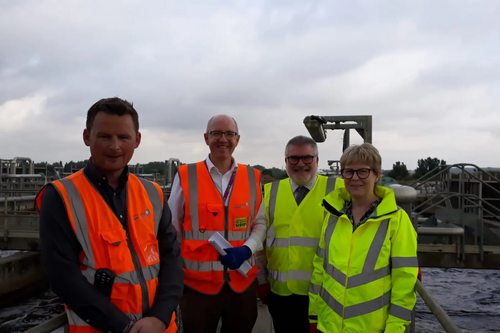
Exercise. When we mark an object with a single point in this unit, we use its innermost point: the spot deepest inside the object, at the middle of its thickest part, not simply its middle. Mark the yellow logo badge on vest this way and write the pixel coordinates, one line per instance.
(240, 223)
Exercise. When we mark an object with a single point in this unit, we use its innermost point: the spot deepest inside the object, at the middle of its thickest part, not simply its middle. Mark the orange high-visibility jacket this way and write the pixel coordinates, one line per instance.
(205, 213)
(104, 242)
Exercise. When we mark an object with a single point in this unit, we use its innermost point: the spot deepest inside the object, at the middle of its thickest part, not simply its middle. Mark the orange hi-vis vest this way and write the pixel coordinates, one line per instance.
(204, 214)
(133, 256)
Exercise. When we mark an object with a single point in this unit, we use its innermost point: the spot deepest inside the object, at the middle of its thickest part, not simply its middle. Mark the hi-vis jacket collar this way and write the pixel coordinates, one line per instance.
(334, 202)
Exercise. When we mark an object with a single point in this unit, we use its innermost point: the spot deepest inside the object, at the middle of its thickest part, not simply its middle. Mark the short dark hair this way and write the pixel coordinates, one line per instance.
(301, 140)
(112, 106)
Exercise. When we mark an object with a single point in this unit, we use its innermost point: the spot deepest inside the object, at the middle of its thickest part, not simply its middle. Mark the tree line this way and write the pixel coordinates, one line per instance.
(400, 171)
(156, 167)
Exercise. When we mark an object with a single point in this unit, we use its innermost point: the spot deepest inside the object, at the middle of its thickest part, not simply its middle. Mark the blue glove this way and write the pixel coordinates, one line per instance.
(235, 256)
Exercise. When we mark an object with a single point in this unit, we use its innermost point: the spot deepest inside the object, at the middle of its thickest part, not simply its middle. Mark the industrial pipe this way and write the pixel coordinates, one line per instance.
(438, 231)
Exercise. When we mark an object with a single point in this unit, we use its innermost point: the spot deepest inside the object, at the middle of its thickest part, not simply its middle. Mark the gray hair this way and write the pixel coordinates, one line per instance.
(301, 140)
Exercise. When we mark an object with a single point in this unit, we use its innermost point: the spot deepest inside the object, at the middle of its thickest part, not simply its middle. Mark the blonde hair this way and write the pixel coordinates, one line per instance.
(365, 153)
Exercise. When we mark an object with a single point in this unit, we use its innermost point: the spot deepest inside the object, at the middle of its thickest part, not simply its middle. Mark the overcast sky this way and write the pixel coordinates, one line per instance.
(427, 71)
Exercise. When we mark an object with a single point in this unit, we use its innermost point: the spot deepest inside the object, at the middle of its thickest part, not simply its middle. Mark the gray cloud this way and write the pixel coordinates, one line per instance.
(426, 71)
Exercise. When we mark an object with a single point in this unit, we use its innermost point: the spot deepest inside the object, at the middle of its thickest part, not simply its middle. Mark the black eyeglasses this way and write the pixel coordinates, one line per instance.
(219, 134)
(349, 173)
(295, 159)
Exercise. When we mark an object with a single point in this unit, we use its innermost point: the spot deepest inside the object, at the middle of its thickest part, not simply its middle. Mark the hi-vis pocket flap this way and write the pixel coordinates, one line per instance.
(114, 236)
(215, 209)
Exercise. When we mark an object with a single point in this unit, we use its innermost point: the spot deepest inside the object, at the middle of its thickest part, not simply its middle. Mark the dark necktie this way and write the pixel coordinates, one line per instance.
(300, 193)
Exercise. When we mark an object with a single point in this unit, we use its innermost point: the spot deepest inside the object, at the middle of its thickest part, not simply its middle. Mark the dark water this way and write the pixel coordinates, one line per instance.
(470, 297)
(30, 313)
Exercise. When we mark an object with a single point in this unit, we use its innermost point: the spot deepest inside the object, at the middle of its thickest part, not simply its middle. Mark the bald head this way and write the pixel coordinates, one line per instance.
(221, 117)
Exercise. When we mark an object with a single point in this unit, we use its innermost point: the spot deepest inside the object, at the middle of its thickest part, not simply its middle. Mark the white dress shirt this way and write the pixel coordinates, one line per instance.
(176, 203)
(260, 257)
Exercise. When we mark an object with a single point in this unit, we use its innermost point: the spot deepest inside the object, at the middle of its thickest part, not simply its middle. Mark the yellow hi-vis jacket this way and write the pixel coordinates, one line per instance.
(293, 234)
(364, 281)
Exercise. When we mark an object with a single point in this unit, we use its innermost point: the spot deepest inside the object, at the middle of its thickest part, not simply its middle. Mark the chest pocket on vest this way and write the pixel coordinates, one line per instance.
(113, 251)
(214, 219)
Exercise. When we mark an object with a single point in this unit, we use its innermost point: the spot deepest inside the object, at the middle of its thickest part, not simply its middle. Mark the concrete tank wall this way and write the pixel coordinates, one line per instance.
(21, 275)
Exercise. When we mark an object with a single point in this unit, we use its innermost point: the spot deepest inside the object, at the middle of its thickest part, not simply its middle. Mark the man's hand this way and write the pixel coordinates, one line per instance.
(235, 256)
(263, 291)
(149, 325)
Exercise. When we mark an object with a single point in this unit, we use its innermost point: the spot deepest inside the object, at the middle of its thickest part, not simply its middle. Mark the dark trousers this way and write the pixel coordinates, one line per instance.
(201, 312)
(289, 313)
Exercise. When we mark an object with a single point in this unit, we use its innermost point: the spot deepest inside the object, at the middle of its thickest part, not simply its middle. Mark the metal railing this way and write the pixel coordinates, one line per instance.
(448, 325)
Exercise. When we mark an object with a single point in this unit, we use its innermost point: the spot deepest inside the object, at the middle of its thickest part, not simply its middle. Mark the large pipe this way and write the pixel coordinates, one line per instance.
(404, 194)
(443, 318)
(13, 164)
(438, 231)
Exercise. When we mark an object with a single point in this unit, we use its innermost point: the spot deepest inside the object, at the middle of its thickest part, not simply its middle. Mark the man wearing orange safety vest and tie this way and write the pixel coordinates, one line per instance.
(108, 244)
(218, 195)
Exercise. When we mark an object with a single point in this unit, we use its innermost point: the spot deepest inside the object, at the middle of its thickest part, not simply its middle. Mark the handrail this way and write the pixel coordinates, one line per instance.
(426, 177)
(452, 195)
(50, 325)
(448, 325)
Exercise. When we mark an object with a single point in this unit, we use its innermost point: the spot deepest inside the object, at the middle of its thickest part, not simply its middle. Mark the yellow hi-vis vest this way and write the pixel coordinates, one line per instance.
(293, 234)
(364, 281)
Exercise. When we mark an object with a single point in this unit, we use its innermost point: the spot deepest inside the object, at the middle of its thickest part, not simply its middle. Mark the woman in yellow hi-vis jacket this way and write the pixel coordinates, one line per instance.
(366, 266)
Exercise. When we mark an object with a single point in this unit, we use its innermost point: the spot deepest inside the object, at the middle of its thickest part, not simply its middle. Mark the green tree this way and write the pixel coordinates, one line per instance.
(399, 171)
(428, 164)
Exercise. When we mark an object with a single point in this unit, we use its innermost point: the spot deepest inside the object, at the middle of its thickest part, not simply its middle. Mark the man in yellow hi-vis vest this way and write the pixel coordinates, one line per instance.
(295, 217)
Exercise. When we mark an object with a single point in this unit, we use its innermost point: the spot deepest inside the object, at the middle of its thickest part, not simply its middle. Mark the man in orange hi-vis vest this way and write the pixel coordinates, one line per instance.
(218, 195)
(109, 248)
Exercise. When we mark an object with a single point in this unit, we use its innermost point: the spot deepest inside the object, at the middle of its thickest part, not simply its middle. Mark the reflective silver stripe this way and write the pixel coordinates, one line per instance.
(369, 273)
(80, 220)
(320, 252)
(280, 242)
(364, 278)
(400, 312)
(197, 235)
(75, 320)
(253, 192)
(375, 247)
(193, 204)
(330, 184)
(304, 241)
(209, 266)
(402, 262)
(332, 222)
(271, 233)
(203, 266)
(150, 273)
(331, 301)
(357, 309)
(314, 288)
(154, 197)
(295, 241)
(299, 275)
(272, 200)
(278, 276)
(367, 307)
